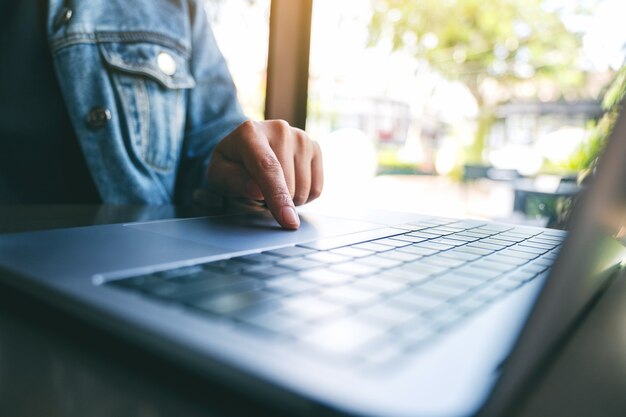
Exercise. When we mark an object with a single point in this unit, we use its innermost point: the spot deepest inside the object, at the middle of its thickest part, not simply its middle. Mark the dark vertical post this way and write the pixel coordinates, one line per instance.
(288, 61)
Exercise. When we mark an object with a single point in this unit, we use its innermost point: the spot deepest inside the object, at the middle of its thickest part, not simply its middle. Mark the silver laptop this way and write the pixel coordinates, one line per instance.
(371, 314)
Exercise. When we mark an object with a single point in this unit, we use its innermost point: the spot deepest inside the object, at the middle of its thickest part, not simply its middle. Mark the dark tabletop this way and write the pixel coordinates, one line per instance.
(54, 365)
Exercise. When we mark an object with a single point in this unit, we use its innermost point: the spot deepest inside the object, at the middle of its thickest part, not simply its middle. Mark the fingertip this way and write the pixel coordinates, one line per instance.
(289, 217)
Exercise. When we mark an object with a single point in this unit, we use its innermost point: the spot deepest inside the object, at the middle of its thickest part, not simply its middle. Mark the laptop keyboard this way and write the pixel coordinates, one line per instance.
(368, 297)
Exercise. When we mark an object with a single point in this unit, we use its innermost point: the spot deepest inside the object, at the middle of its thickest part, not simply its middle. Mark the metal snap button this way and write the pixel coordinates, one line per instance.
(166, 63)
(63, 17)
(98, 117)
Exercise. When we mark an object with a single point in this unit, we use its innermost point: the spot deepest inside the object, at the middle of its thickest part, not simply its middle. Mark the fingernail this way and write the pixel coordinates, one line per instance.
(290, 217)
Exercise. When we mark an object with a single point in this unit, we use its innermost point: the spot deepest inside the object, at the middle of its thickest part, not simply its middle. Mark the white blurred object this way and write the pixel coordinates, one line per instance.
(524, 159)
(350, 164)
(559, 145)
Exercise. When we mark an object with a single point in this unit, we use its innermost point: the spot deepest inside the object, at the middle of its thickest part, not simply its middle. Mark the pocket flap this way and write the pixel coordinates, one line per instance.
(163, 64)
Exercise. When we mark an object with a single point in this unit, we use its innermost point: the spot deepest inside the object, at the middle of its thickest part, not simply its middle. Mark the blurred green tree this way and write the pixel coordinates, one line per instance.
(488, 45)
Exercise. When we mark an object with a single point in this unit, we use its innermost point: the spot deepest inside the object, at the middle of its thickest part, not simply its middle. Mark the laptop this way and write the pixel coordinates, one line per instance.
(366, 313)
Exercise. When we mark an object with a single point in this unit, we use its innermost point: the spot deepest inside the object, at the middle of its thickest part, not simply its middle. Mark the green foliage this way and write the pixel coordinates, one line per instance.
(585, 156)
(473, 41)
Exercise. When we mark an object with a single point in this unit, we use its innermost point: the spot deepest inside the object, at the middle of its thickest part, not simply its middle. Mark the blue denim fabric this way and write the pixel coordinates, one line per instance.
(163, 128)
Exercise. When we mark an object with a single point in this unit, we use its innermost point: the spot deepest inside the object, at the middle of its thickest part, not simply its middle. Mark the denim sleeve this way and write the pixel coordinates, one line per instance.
(213, 110)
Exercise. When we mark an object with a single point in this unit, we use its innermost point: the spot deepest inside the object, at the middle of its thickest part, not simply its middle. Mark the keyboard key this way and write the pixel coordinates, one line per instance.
(443, 261)
(535, 244)
(355, 269)
(474, 251)
(325, 276)
(386, 314)
(486, 246)
(449, 242)
(379, 284)
(400, 256)
(348, 295)
(467, 282)
(259, 258)
(518, 254)
(269, 272)
(424, 235)
(229, 303)
(461, 237)
(308, 307)
(299, 264)
(342, 336)
(482, 273)
(445, 292)
(523, 275)
(417, 250)
(455, 254)
(528, 249)
(415, 301)
(288, 285)
(494, 228)
(352, 252)
(273, 321)
(421, 268)
(496, 242)
(392, 242)
(434, 246)
(485, 264)
(374, 247)
(347, 240)
(290, 251)
(511, 260)
(410, 239)
(328, 257)
(412, 335)
(178, 272)
(378, 262)
(535, 268)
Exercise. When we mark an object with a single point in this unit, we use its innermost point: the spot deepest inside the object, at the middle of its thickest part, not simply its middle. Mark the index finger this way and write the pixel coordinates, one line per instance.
(264, 168)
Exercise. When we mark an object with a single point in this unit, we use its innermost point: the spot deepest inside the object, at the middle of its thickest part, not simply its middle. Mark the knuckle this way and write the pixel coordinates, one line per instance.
(316, 191)
(281, 125)
(268, 162)
(280, 198)
(300, 199)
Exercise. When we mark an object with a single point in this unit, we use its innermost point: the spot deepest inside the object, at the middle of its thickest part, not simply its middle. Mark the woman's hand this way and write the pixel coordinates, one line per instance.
(269, 161)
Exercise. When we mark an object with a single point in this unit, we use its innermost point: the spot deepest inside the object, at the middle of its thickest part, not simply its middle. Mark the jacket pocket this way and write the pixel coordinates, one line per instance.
(150, 82)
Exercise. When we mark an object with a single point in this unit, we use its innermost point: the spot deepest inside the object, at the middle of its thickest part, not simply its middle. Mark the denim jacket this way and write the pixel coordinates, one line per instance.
(148, 93)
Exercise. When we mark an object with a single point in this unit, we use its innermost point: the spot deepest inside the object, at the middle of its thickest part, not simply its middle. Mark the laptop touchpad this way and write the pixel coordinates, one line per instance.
(253, 230)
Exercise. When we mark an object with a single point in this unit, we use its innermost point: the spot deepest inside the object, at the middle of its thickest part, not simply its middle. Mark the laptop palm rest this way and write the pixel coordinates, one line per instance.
(253, 230)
